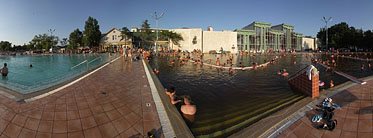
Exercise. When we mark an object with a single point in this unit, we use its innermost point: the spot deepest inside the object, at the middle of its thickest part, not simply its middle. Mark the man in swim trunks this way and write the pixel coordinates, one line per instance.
(4, 70)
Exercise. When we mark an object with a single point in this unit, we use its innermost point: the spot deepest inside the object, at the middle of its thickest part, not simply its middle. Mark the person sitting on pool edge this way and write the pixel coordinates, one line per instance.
(4, 70)
(172, 94)
(188, 109)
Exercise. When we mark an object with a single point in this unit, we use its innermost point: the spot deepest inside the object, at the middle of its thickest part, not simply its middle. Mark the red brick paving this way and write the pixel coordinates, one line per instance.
(81, 110)
(354, 120)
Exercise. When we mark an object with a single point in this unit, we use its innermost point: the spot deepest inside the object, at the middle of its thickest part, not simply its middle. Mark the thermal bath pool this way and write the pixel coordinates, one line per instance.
(46, 71)
(229, 102)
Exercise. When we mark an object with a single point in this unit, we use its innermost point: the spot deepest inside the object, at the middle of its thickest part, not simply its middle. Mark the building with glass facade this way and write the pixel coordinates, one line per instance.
(259, 36)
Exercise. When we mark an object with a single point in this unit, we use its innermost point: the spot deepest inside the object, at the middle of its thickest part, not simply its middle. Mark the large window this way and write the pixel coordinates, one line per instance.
(114, 37)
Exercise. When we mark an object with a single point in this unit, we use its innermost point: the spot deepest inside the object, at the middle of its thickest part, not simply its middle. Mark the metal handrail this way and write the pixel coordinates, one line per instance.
(94, 60)
(79, 64)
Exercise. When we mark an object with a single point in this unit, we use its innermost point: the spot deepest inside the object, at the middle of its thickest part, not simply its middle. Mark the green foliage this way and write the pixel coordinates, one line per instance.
(342, 36)
(5, 45)
(92, 33)
(64, 42)
(126, 34)
(43, 41)
(173, 37)
(75, 39)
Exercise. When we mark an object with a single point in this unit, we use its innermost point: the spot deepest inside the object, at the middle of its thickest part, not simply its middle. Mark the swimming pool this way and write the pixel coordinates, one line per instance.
(46, 71)
(229, 102)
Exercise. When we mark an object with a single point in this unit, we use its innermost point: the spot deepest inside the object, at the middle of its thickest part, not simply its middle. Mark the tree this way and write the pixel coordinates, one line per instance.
(146, 34)
(172, 37)
(75, 39)
(92, 33)
(43, 41)
(5, 45)
(64, 42)
(126, 34)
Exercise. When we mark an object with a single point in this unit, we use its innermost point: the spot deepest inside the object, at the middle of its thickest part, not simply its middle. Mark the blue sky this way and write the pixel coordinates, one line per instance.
(20, 20)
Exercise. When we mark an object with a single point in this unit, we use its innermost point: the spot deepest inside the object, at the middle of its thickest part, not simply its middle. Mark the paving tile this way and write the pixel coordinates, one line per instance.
(36, 114)
(348, 134)
(77, 134)
(132, 118)
(151, 125)
(47, 116)
(113, 114)
(59, 135)
(45, 126)
(74, 125)
(365, 126)
(43, 135)
(124, 110)
(108, 107)
(332, 134)
(101, 118)
(32, 123)
(72, 115)
(85, 113)
(92, 133)
(8, 115)
(19, 120)
(72, 107)
(50, 107)
(121, 124)
(59, 126)
(60, 116)
(300, 131)
(130, 133)
(365, 135)
(12, 130)
(27, 133)
(88, 122)
(61, 108)
(97, 110)
(108, 130)
(350, 125)
(3, 124)
(150, 116)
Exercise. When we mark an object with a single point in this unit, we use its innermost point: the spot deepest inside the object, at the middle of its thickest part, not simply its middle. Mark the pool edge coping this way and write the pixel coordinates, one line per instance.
(164, 114)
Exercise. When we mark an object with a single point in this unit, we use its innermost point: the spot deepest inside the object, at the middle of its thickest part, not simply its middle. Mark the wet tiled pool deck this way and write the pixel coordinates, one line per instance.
(82, 110)
(354, 120)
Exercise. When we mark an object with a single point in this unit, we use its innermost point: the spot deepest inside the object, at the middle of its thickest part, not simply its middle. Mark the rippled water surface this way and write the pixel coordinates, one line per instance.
(228, 102)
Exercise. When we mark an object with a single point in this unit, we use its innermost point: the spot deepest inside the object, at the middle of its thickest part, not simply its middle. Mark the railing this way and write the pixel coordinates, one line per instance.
(95, 60)
(85, 61)
(88, 62)
(299, 72)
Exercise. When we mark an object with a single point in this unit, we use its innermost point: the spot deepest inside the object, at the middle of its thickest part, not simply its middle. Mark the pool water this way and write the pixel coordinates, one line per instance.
(228, 102)
(46, 71)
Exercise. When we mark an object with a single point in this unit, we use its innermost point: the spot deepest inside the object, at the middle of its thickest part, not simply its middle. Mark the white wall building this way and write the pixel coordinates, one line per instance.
(206, 40)
(215, 40)
(308, 43)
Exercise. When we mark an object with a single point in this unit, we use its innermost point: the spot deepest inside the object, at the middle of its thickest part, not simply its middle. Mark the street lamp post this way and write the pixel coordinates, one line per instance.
(326, 26)
(52, 31)
(156, 17)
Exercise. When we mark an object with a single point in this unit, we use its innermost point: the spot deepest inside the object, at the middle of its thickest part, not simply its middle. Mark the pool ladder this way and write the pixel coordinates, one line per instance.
(88, 62)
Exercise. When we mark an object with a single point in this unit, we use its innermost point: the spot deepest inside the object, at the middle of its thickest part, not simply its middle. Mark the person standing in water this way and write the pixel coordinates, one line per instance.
(4, 70)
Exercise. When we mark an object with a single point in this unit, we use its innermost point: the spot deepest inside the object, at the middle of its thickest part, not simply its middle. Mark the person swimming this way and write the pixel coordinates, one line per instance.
(30, 65)
(284, 73)
(188, 110)
(172, 94)
(155, 71)
(331, 84)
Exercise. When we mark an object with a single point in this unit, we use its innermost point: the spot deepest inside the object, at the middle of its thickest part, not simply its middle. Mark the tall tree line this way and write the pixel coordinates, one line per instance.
(344, 36)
